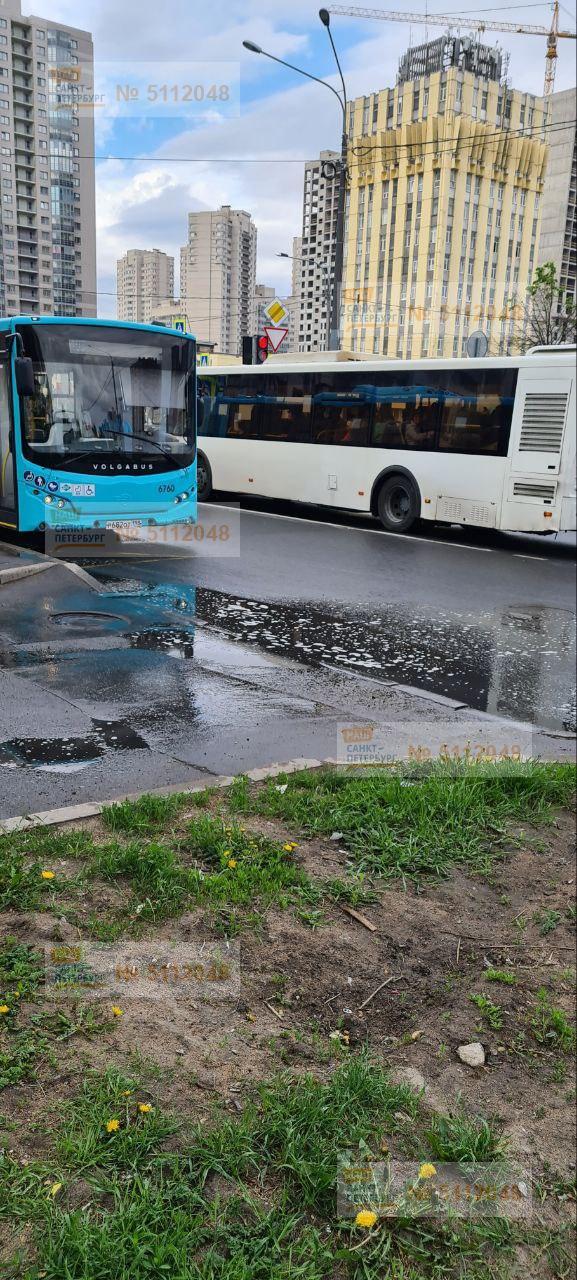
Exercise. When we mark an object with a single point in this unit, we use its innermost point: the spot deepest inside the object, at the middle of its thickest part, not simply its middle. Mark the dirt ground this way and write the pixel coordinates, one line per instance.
(301, 986)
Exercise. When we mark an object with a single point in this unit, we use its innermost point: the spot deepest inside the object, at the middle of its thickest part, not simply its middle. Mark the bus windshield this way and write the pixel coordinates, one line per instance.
(110, 399)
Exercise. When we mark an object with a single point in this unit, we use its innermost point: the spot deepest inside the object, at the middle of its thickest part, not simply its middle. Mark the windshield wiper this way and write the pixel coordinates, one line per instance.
(134, 435)
(68, 459)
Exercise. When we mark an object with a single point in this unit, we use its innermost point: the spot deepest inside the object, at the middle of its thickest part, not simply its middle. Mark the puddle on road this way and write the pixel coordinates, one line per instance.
(68, 755)
(176, 642)
(518, 664)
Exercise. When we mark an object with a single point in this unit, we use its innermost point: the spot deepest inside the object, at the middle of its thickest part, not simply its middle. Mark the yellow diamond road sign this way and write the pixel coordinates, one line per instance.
(275, 312)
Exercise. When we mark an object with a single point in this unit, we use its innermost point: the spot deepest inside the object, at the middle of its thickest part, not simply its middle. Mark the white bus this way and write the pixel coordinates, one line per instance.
(486, 442)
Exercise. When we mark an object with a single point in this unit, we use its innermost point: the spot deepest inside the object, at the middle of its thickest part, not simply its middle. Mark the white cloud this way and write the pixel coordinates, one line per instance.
(146, 204)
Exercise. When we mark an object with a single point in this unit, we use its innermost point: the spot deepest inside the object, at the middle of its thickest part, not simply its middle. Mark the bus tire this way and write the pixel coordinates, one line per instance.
(203, 478)
(398, 503)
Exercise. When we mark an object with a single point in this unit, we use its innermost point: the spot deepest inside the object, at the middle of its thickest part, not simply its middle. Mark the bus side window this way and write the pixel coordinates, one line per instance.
(406, 411)
(478, 411)
(243, 409)
(342, 410)
(286, 412)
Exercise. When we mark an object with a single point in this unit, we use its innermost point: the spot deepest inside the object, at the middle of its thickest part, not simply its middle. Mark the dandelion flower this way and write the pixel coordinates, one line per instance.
(232, 863)
(144, 1107)
(47, 875)
(55, 1188)
(366, 1218)
(289, 847)
(427, 1171)
(117, 1011)
(126, 1093)
(226, 853)
(4, 1008)
(112, 1126)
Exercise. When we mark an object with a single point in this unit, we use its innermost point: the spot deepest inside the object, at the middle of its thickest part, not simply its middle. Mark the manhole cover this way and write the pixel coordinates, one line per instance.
(85, 618)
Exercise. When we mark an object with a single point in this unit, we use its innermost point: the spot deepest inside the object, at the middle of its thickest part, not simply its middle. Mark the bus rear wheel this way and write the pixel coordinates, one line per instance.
(398, 504)
(203, 478)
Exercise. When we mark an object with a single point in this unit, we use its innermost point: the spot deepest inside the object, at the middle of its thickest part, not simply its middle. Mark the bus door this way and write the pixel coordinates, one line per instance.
(538, 433)
(7, 476)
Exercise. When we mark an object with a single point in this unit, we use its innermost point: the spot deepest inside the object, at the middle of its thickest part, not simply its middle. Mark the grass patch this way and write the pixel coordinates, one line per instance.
(500, 975)
(457, 1138)
(450, 816)
(104, 1126)
(144, 816)
(547, 921)
(23, 859)
(549, 1026)
(492, 1013)
(251, 1198)
(226, 866)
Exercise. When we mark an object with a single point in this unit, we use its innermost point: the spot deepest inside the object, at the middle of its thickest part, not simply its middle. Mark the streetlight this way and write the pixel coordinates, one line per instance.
(321, 266)
(333, 296)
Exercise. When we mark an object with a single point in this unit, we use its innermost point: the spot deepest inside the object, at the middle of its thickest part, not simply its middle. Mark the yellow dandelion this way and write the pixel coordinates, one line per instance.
(232, 863)
(127, 1093)
(117, 1011)
(112, 1126)
(226, 853)
(427, 1171)
(366, 1218)
(289, 847)
(17, 995)
(55, 1188)
(144, 1107)
(293, 844)
(47, 875)
(4, 1008)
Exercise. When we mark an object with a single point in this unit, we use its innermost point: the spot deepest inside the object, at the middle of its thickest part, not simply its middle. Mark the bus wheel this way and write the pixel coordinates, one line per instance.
(203, 478)
(398, 504)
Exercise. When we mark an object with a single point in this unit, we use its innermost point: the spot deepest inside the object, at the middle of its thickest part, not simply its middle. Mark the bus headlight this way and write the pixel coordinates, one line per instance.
(182, 497)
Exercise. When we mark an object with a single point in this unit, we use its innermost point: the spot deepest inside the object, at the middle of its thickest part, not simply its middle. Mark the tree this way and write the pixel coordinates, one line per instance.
(548, 315)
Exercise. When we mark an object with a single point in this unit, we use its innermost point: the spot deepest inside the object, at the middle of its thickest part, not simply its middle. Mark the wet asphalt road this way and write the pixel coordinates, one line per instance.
(486, 619)
(186, 664)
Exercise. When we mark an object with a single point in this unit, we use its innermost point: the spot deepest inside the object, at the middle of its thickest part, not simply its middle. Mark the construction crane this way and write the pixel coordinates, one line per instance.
(553, 33)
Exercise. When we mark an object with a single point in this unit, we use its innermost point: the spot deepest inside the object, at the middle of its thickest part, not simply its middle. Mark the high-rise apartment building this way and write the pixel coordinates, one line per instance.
(320, 206)
(442, 225)
(218, 276)
(264, 294)
(558, 242)
(47, 221)
(144, 284)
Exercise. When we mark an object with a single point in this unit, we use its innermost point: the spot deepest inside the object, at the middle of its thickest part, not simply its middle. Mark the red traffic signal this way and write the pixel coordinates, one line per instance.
(261, 349)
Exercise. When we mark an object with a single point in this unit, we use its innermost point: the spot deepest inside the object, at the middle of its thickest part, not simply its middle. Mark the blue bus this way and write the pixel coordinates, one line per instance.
(97, 424)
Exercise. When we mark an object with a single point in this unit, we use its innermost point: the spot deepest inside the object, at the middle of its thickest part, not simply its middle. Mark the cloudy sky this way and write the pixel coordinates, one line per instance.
(250, 151)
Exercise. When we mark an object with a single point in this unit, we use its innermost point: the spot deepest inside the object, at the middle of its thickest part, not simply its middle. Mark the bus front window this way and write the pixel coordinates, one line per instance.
(104, 395)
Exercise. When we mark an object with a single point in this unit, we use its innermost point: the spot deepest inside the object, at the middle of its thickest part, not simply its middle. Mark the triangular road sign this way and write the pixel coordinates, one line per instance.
(275, 336)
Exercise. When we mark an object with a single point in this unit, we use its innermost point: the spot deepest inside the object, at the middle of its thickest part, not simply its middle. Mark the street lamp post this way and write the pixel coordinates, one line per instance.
(333, 294)
(335, 322)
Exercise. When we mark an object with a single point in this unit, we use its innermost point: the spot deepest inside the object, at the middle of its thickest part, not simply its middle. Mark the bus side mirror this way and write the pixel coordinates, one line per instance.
(24, 370)
(199, 412)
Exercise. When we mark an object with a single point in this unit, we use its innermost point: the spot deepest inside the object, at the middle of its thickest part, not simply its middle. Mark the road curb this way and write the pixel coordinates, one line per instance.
(24, 571)
(81, 812)
(38, 562)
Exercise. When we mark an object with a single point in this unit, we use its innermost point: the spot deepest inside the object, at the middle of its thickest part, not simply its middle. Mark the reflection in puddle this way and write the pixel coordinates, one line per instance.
(68, 755)
(518, 663)
(177, 642)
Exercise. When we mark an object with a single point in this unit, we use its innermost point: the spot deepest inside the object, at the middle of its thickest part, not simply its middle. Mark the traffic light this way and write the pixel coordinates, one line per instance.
(255, 349)
(248, 350)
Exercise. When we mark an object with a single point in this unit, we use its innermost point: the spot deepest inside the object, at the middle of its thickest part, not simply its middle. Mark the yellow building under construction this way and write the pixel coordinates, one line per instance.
(442, 222)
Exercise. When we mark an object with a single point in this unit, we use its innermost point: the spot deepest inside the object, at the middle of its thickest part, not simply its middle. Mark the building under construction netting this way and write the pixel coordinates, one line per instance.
(465, 53)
